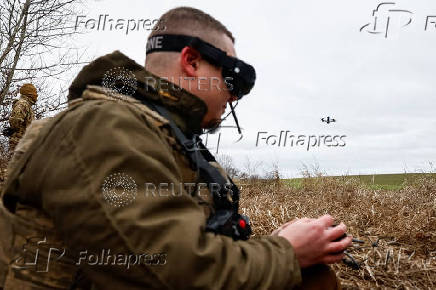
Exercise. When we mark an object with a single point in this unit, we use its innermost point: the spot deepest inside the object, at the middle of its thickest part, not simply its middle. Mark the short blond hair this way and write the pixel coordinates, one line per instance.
(186, 21)
(189, 21)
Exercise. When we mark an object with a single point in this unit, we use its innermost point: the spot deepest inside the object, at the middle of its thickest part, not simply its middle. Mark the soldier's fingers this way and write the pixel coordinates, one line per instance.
(326, 220)
(337, 247)
(336, 232)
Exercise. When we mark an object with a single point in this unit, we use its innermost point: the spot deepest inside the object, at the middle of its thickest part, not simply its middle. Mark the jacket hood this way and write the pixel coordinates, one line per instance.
(120, 73)
(29, 99)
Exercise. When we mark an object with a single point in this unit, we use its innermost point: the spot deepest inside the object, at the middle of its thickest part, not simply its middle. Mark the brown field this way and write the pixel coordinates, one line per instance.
(398, 227)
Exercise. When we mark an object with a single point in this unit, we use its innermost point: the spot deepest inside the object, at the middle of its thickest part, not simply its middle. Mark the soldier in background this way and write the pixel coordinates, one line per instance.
(22, 114)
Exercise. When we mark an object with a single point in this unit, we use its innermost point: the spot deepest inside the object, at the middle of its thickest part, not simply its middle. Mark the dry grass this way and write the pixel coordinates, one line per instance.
(397, 226)
(402, 221)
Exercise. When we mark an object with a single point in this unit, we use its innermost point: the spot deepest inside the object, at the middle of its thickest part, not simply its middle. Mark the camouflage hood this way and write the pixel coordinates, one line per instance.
(29, 99)
(118, 72)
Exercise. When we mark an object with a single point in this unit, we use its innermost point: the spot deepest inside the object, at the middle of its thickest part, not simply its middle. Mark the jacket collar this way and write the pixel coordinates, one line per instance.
(186, 109)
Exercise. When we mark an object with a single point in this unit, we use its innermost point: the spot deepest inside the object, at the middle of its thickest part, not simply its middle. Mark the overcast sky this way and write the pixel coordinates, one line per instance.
(313, 60)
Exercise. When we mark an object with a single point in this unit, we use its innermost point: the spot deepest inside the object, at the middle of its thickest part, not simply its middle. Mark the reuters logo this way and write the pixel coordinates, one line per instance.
(119, 80)
(119, 189)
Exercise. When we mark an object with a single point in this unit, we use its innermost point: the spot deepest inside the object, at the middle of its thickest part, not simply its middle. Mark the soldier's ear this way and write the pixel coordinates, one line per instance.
(189, 61)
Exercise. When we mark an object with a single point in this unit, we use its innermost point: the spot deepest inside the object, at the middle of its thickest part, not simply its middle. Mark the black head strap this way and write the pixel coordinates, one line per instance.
(176, 42)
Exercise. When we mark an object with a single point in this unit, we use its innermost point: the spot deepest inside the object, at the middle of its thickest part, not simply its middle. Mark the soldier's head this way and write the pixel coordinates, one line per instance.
(29, 90)
(187, 67)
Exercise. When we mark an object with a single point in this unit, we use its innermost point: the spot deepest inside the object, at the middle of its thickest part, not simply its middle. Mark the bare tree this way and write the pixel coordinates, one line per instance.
(274, 172)
(226, 162)
(36, 45)
(251, 169)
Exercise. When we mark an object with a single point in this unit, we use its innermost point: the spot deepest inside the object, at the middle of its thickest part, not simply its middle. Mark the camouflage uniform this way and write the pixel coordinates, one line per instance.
(55, 191)
(22, 114)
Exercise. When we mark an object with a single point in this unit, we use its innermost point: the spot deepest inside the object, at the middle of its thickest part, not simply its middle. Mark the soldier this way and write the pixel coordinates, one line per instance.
(118, 176)
(22, 114)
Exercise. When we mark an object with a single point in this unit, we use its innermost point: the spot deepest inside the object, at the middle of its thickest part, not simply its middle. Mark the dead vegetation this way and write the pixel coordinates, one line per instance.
(397, 227)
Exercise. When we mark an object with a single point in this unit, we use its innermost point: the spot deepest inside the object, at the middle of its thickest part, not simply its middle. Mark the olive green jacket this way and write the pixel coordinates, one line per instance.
(84, 184)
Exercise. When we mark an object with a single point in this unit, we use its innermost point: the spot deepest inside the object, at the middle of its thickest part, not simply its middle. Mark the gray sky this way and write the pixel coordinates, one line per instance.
(312, 61)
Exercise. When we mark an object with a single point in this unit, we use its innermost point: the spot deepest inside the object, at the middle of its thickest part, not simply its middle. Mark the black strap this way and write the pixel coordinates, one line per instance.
(176, 42)
(200, 156)
(226, 220)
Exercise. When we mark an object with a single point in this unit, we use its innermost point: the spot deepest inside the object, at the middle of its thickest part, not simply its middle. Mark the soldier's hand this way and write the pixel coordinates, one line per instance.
(279, 229)
(314, 242)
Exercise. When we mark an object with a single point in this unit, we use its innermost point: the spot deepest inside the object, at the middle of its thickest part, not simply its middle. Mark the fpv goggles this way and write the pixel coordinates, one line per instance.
(241, 74)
